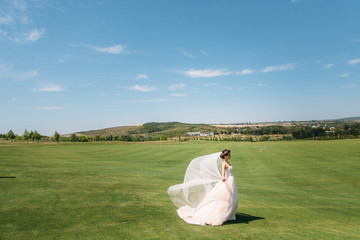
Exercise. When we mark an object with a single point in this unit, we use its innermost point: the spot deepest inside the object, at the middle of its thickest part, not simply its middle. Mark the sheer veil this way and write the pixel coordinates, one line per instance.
(201, 175)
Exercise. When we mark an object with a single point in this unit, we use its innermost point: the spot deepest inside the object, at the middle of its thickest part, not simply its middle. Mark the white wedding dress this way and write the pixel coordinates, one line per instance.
(204, 198)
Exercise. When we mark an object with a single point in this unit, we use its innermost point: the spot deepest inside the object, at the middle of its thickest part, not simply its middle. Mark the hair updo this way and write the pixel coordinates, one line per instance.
(224, 153)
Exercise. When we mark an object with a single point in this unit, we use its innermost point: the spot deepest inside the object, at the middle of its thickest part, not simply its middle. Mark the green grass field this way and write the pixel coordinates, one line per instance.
(289, 190)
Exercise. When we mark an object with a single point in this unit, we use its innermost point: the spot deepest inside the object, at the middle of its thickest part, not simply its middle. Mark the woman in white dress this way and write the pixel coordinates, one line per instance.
(208, 195)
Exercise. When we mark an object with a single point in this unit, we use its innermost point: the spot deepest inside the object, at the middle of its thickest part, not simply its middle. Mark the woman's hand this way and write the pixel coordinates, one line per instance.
(223, 179)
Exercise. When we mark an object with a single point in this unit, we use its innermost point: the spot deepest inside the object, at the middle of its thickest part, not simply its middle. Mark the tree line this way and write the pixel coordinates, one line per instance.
(258, 133)
(35, 136)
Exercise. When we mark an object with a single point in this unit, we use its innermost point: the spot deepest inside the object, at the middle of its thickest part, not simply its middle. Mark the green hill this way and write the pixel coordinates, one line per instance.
(178, 129)
(169, 129)
(121, 130)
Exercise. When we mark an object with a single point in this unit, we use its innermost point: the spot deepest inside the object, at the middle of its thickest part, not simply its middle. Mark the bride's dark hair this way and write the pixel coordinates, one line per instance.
(224, 153)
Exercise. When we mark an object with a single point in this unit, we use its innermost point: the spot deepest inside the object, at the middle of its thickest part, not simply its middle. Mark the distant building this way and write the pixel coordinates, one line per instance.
(193, 133)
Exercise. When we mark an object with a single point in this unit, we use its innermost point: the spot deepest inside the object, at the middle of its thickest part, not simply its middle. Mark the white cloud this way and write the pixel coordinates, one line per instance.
(245, 72)
(142, 76)
(281, 67)
(17, 20)
(344, 75)
(177, 86)
(261, 85)
(3, 34)
(26, 75)
(205, 73)
(49, 88)
(35, 35)
(229, 88)
(116, 49)
(187, 54)
(350, 86)
(6, 20)
(7, 71)
(5, 67)
(328, 66)
(18, 76)
(210, 84)
(354, 61)
(144, 88)
(178, 94)
(50, 108)
(152, 100)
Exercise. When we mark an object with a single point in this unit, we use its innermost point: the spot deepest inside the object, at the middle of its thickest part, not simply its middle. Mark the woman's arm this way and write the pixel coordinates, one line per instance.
(223, 171)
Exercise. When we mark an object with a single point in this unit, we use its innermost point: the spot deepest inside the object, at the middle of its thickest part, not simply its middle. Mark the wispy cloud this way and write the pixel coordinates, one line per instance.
(142, 76)
(144, 88)
(16, 18)
(178, 94)
(152, 100)
(344, 75)
(34, 35)
(115, 49)
(21, 76)
(245, 72)
(210, 84)
(282, 67)
(350, 86)
(47, 108)
(354, 61)
(7, 71)
(261, 85)
(3, 35)
(328, 66)
(228, 88)
(6, 20)
(177, 86)
(5, 67)
(187, 54)
(49, 88)
(206, 73)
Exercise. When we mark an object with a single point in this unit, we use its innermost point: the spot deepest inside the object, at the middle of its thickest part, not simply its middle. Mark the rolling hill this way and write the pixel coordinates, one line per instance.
(176, 129)
(170, 129)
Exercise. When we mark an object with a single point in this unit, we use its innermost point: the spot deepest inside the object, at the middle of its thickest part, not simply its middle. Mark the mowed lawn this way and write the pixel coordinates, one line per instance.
(287, 190)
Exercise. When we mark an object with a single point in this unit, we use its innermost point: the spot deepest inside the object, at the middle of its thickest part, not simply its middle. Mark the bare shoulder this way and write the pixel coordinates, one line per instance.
(225, 164)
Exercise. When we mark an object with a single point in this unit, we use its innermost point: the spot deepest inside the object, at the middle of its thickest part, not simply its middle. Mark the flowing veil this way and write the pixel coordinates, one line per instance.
(201, 175)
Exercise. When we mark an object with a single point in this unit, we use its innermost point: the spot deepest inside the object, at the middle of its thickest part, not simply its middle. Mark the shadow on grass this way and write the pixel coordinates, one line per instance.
(8, 177)
(243, 218)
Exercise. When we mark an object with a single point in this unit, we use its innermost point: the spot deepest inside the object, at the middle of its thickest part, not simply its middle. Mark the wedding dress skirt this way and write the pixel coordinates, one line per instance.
(214, 205)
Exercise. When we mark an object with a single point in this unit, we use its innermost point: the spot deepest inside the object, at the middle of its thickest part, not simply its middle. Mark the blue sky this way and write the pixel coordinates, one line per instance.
(69, 66)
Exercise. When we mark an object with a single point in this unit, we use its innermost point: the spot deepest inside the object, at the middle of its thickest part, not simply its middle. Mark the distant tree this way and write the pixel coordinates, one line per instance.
(26, 135)
(264, 138)
(36, 136)
(31, 135)
(83, 138)
(125, 138)
(56, 136)
(10, 135)
(287, 137)
(73, 138)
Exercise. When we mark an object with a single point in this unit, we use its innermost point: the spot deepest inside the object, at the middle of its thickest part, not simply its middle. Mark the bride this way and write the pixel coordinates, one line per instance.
(208, 194)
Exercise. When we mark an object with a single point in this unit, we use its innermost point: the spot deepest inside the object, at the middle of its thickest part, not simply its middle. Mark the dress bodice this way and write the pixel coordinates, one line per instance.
(229, 171)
